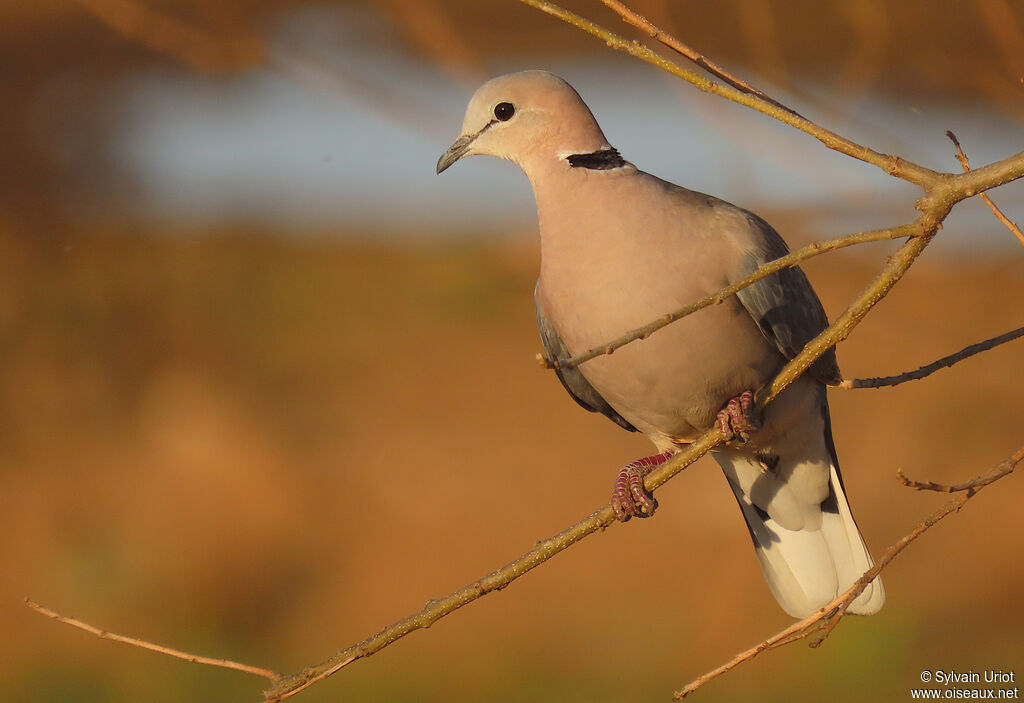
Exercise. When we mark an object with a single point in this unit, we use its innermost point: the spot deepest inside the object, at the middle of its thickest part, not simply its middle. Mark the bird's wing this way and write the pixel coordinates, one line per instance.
(572, 380)
(784, 304)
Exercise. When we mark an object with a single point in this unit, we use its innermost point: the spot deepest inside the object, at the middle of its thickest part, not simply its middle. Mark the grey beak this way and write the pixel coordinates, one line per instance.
(455, 152)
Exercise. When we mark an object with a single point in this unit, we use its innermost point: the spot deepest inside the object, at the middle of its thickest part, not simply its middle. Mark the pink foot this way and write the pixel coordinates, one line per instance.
(629, 497)
(736, 419)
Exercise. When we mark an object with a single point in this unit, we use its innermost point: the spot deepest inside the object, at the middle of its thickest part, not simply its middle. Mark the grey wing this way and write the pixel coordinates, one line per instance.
(572, 380)
(784, 304)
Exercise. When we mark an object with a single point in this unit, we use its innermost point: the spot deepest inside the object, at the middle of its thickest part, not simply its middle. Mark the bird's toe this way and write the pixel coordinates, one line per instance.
(737, 420)
(630, 498)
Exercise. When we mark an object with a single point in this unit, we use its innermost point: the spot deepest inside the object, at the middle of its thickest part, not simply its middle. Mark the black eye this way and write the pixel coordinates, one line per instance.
(504, 111)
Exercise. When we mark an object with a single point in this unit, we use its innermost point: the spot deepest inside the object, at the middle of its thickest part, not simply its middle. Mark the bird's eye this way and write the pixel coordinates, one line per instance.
(504, 111)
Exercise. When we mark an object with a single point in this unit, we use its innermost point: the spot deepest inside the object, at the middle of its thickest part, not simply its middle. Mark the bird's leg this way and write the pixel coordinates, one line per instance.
(629, 497)
(736, 419)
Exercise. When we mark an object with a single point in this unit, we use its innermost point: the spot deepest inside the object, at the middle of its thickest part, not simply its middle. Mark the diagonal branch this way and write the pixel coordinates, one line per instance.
(1007, 222)
(967, 184)
(645, 25)
(158, 648)
(893, 165)
(825, 620)
(972, 486)
(929, 369)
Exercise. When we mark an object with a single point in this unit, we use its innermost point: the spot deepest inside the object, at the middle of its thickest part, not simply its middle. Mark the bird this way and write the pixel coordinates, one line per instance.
(621, 248)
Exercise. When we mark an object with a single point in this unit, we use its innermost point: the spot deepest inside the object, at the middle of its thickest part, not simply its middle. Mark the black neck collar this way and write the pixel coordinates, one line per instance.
(600, 160)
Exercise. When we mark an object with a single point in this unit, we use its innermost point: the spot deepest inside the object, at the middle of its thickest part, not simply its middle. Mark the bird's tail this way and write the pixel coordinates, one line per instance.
(810, 561)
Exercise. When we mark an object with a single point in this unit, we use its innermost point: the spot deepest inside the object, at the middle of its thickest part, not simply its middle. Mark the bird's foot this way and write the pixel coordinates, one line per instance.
(736, 419)
(629, 497)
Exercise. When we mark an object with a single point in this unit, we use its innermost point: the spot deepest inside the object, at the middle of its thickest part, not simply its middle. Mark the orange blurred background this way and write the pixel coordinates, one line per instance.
(264, 437)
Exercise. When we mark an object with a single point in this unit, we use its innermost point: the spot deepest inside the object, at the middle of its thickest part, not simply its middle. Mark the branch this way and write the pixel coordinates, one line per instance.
(962, 158)
(967, 184)
(645, 25)
(824, 621)
(142, 644)
(972, 486)
(929, 369)
(893, 165)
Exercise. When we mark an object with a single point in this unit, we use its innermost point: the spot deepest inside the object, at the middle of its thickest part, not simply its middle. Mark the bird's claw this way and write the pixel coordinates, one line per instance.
(736, 420)
(629, 497)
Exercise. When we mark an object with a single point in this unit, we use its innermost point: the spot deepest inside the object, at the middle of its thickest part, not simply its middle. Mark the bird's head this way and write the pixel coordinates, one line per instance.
(526, 117)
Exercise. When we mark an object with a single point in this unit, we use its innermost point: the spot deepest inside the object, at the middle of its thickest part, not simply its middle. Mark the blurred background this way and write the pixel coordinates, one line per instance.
(267, 383)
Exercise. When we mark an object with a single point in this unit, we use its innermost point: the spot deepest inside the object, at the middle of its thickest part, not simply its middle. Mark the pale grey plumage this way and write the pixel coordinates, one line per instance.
(620, 248)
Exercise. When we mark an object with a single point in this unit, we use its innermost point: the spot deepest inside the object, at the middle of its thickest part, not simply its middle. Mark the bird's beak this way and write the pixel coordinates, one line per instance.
(456, 151)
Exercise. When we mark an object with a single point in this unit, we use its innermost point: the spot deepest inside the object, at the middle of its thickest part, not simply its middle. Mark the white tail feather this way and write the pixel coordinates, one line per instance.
(806, 568)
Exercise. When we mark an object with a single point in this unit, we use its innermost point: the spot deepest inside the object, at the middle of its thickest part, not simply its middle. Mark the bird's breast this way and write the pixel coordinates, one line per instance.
(604, 274)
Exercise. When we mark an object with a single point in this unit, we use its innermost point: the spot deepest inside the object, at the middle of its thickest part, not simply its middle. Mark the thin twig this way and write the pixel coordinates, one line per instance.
(793, 633)
(762, 271)
(1007, 222)
(994, 474)
(822, 622)
(643, 24)
(929, 369)
(142, 644)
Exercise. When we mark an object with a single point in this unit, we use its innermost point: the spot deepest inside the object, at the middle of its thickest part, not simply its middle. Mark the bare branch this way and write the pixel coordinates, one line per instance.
(645, 25)
(972, 486)
(929, 369)
(825, 620)
(1007, 222)
(142, 644)
(959, 186)
(893, 165)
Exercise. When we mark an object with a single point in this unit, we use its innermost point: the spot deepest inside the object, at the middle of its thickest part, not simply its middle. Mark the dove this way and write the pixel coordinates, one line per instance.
(620, 248)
